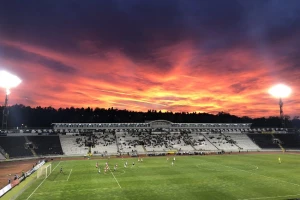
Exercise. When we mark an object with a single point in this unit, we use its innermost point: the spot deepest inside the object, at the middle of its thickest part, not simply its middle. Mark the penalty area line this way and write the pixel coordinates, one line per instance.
(69, 175)
(42, 182)
(36, 189)
(56, 166)
(115, 178)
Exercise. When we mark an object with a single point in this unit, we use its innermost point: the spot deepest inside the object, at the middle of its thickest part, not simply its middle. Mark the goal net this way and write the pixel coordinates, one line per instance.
(44, 171)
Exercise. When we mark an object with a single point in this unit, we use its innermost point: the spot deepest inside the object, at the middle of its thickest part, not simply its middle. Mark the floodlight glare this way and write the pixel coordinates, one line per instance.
(8, 81)
(280, 91)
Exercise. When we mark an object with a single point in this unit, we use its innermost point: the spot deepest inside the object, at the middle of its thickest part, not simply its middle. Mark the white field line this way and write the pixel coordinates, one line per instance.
(115, 178)
(41, 182)
(256, 174)
(55, 167)
(78, 190)
(69, 175)
(36, 189)
(292, 195)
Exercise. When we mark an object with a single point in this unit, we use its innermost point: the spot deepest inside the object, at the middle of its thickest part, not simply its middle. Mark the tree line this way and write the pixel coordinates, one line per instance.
(26, 116)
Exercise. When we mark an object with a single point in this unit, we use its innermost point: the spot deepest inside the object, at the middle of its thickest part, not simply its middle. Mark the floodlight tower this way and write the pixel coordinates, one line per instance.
(280, 91)
(5, 111)
(7, 81)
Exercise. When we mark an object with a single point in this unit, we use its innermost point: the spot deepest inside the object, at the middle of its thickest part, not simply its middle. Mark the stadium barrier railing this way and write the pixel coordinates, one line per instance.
(11, 185)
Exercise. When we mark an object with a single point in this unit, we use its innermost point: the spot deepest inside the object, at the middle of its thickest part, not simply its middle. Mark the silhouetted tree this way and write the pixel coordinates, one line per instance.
(44, 117)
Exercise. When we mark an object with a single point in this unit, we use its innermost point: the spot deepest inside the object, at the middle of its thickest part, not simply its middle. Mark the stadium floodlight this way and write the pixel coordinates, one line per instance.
(7, 81)
(280, 91)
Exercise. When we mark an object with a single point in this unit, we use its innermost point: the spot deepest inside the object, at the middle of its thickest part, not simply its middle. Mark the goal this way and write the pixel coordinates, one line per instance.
(44, 171)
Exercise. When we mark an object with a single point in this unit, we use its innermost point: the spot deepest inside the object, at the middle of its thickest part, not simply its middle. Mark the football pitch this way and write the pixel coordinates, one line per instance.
(233, 177)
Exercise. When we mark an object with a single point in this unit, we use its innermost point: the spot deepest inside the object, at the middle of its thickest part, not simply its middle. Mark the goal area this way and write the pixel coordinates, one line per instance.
(44, 171)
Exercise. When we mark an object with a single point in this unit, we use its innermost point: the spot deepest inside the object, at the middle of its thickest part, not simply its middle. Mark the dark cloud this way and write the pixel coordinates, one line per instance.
(108, 24)
(139, 28)
(238, 87)
(14, 53)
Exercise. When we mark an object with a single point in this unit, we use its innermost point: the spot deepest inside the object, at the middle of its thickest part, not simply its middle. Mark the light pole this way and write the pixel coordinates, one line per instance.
(280, 91)
(7, 81)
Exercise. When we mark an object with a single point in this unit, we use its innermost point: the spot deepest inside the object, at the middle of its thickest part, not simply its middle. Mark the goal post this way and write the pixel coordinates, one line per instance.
(44, 171)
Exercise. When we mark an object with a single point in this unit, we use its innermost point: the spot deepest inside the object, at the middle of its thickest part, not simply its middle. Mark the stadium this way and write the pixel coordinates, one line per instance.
(158, 159)
(150, 100)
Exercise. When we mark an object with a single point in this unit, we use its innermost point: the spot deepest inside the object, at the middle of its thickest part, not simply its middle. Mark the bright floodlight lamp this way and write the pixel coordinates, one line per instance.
(7, 81)
(280, 91)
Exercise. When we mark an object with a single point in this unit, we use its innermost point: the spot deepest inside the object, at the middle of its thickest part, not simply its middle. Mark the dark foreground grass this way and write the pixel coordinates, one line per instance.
(234, 177)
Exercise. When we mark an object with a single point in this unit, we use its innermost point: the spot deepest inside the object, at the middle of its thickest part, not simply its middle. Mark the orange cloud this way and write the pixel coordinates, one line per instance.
(234, 81)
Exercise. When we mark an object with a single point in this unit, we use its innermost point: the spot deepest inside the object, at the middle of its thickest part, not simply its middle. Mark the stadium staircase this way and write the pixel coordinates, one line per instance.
(31, 149)
(145, 150)
(281, 147)
(2, 153)
(283, 150)
(117, 142)
(210, 141)
(233, 143)
(193, 147)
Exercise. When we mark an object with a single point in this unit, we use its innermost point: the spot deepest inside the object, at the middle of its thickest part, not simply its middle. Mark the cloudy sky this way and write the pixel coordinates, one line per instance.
(169, 55)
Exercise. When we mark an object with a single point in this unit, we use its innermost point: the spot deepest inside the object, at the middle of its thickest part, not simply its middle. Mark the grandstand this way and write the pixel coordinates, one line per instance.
(46, 145)
(133, 139)
(243, 142)
(141, 139)
(105, 143)
(30, 146)
(201, 143)
(129, 142)
(15, 146)
(264, 141)
(72, 145)
(288, 141)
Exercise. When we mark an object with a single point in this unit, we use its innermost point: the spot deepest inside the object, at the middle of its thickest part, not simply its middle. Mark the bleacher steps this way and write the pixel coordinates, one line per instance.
(3, 153)
(117, 142)
(193, 147)
(145, 150)
(210, 141)
(281, 147)
(234, 144)
(32, 150)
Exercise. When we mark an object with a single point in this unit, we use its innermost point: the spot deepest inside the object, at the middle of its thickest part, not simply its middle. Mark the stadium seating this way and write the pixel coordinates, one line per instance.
(105, 143)
(15, 146)
(129, 142)
(264, 141)
(167, 141)
(2, 157)
(133, 142)
(243, 141)
(222, 142)
(46, 145)
(73, 145)
(201, 143)
(289, 141)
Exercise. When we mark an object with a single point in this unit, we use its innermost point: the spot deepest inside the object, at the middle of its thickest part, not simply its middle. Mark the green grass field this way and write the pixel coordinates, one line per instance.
(234, 177)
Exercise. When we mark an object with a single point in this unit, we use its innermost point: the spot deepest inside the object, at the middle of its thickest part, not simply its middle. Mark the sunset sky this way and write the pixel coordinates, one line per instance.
(169, 55)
